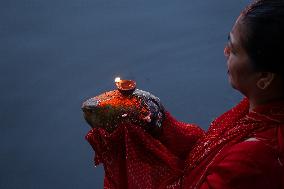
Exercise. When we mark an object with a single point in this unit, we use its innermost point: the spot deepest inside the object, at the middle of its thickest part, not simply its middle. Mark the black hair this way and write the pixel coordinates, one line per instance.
(264, 35)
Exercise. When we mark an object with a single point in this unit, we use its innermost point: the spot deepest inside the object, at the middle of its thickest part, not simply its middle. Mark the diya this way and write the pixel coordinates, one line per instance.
(126, 104)
(126, 87)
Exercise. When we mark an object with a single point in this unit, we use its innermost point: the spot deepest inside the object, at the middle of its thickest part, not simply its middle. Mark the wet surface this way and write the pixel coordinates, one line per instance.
(56, 54)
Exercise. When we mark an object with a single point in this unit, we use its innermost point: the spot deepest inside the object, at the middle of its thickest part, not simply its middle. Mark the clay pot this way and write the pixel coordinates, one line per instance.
(113, 108)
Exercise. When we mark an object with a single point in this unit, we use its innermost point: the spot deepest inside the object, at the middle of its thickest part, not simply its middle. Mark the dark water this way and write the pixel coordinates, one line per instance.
(54, 54)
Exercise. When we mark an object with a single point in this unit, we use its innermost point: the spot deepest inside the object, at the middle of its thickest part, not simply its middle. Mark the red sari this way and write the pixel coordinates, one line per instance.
(241, 149)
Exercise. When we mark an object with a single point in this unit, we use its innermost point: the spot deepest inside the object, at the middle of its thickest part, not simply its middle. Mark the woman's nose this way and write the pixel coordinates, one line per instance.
(226, 51)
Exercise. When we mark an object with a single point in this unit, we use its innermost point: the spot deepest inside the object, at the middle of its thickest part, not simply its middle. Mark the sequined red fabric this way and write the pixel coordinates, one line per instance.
(241, 149)
(132, 158)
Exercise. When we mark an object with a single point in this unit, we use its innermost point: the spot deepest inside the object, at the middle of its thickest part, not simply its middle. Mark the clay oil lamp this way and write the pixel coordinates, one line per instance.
(125, 87)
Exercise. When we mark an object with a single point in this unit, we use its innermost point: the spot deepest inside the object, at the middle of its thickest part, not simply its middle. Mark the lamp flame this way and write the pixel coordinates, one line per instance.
(117, 79)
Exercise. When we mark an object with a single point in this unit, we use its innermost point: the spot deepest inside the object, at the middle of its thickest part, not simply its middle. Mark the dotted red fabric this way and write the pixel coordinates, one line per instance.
(132, 158)
(186, 157)
(242, 149)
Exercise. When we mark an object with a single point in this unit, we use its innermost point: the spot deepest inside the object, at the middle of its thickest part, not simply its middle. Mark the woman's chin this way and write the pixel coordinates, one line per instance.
(232, 83)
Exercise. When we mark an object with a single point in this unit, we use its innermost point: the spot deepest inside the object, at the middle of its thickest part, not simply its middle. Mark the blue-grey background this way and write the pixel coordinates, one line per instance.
(55, 54)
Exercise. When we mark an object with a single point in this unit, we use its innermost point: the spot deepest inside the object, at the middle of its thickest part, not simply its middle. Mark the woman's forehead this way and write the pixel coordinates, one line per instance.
(238, 32)
(234, 43)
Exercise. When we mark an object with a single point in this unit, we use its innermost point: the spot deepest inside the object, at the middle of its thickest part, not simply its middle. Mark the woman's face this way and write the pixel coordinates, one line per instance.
(240, 70)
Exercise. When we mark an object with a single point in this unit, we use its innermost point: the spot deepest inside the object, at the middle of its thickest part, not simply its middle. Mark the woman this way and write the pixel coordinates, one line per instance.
(243, 148)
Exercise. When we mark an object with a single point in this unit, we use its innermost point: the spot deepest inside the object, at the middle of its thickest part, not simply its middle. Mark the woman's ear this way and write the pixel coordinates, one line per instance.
(265, 79)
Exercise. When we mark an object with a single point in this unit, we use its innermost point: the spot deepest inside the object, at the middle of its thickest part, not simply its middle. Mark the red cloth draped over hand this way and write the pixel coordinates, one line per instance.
(132, 158)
